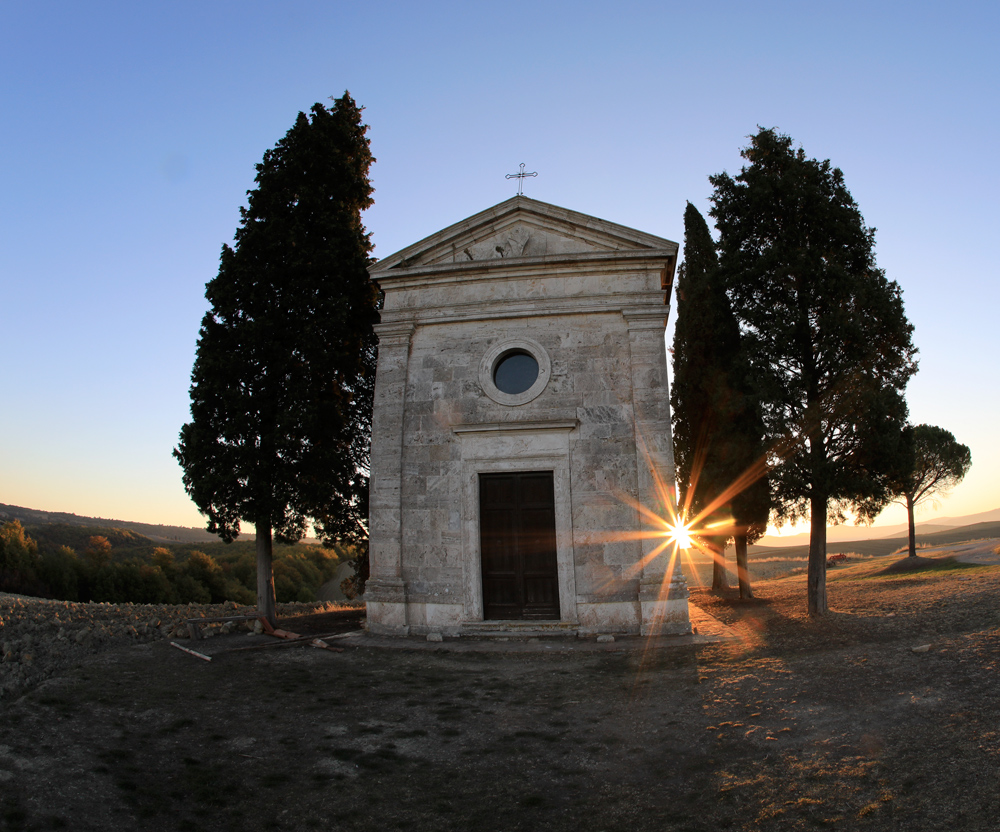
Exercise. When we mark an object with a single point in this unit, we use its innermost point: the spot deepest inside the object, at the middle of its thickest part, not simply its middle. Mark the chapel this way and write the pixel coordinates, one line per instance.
(521, 448)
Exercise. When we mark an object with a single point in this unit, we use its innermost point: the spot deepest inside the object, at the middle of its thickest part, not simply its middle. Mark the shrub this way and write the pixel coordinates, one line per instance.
(153, 574)
(354, 585)
(244, 570)
(191, 591)
(98, 551)
(155, 586)
(208, 573)
(62, 573)
(164, 559)
(285, 588)
(235, 591)
(19, 560)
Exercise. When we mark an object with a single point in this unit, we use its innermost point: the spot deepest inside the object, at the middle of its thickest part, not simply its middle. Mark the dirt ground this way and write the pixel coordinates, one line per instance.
(883, 715)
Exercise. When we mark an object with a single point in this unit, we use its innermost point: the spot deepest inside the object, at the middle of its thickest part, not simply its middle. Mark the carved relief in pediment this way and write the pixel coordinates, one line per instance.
(522, 228)
(518, 242)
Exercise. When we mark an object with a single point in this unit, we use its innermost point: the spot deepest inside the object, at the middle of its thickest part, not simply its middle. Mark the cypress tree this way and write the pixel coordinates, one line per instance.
(717, 429)
(283, 379)
(825, 333)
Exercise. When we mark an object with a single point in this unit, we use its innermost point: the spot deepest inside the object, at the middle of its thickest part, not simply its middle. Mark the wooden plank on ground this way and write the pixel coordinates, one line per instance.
(192, 652)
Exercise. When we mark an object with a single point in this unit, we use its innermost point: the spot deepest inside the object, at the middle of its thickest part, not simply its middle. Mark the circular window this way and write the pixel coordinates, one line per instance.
(515, 371)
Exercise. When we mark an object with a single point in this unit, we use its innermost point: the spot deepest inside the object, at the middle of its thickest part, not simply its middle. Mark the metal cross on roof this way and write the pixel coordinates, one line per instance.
(520, 179)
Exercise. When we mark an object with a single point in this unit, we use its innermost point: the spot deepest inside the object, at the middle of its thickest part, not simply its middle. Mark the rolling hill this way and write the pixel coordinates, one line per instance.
(157, 533)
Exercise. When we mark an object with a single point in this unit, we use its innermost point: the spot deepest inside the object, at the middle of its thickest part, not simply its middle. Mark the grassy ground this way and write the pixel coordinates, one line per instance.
(796, 724)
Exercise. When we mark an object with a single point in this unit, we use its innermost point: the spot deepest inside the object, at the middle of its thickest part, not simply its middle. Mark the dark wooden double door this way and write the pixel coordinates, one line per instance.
(517, 525)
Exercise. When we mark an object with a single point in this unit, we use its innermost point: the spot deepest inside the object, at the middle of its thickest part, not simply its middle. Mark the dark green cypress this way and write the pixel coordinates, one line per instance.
(717, 430)
(825, 333)
(283, 379)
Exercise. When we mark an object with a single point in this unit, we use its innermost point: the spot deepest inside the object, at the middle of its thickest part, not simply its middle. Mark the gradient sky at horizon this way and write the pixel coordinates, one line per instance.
(130, 132)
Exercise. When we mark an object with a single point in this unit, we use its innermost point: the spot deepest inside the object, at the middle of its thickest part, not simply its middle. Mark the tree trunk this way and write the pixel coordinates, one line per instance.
(720, 580)
(742, 572)
(913, 528)
(265, 574)
(816, 589)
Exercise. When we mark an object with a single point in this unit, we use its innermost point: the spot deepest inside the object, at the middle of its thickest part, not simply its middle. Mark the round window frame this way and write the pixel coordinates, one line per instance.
(487, 367)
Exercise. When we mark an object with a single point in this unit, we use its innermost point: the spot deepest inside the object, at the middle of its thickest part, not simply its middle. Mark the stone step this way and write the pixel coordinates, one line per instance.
(519, 629)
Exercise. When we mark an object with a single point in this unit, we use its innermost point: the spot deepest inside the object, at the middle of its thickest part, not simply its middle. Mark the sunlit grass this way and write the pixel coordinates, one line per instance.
(927, 567)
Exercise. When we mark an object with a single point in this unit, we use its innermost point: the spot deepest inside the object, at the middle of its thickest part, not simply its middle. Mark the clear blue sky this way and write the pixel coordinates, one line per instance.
(129, 134)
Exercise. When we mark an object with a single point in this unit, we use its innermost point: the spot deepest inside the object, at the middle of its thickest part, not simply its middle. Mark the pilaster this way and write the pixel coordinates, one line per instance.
(663, 592)
(385, 593)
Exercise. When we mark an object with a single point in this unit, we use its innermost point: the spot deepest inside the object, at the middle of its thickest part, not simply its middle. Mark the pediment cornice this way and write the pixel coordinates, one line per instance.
(523, 232)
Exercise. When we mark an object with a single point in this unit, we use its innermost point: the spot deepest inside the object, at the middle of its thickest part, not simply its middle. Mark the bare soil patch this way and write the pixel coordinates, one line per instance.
(797, 724)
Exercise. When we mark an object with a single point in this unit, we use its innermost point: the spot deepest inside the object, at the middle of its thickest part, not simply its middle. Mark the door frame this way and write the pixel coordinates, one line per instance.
(517, 448)
(548, 565)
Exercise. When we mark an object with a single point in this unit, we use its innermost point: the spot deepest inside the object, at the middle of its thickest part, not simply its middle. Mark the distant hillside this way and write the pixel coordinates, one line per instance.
(922, 528)
(157, 533)
(968, 519)
(851, 535)
(124, 542)
(69, 565)
(884, 546)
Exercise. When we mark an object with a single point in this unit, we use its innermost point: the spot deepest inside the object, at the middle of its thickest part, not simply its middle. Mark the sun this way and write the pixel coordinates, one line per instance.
(680, 534)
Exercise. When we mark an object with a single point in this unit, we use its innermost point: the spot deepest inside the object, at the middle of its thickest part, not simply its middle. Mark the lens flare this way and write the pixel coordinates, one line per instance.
(680, 535)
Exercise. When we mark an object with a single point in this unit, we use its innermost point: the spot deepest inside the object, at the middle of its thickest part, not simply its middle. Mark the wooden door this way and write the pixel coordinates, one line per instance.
(517, 524)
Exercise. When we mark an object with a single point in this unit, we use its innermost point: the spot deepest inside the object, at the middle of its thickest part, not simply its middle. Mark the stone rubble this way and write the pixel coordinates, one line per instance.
(39, 637)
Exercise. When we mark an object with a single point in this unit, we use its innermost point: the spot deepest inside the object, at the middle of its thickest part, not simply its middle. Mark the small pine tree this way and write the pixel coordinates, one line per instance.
(935, 464)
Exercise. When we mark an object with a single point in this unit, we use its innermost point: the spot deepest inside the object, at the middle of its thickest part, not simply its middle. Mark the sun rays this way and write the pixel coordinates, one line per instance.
(680, 536)
(674, 531)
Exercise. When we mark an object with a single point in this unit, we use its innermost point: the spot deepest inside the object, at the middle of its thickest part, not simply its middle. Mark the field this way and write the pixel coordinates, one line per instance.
(766, 563)
(883, 715)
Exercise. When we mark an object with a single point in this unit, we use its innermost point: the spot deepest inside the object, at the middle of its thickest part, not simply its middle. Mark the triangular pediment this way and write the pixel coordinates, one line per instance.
(522, 228)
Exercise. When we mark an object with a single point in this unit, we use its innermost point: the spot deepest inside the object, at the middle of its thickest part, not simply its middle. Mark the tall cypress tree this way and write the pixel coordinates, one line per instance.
(717, 429)
(825, 332)
(283, 379)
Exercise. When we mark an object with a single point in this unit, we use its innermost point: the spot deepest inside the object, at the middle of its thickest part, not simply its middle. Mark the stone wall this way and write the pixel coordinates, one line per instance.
(598, 418)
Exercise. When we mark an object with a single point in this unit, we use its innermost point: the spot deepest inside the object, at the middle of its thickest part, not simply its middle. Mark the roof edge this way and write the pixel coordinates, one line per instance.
(511, 206)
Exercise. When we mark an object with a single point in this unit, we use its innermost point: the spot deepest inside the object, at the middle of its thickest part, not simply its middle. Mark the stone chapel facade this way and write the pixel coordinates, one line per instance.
(521, 418)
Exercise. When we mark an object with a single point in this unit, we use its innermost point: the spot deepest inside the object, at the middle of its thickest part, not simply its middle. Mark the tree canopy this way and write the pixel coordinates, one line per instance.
(935, 464)
(282, 384)
(717, 429)
(824, 331)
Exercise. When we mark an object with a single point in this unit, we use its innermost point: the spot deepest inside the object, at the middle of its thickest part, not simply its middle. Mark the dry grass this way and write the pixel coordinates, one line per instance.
(902, 550)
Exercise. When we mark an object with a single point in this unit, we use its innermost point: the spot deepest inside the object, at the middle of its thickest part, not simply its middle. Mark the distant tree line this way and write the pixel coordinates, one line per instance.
(90, 567)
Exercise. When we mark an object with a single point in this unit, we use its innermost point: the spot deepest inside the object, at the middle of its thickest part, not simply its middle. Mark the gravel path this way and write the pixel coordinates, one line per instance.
(984, 552)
